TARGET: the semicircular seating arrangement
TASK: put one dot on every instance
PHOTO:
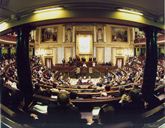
(105, 88)
(111, 88)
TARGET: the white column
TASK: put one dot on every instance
(95, 39)
(74, 52)
(73, 34)
(60, 54)
(63, 30)
(104, 29)
(94, 52)
(107, 55)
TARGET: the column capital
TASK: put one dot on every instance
(150, 29)
(26, 28)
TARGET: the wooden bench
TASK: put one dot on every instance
(78, 100)
(12, 124)
(7, 110)
(8, 116)
(153, 111)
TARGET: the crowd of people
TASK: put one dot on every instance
(54, 83)
(82, 62)
(44, 79)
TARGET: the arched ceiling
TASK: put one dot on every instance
(16, 9)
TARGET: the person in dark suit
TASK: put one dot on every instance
(107, 114)
(64, 112)
(1, 80)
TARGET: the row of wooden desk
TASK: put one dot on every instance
(78, 100)
(68, 68)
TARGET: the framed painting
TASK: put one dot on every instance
(49, 34)
(119, 34)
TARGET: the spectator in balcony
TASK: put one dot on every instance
(107, 114)
(64, 111)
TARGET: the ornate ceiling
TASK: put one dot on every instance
(11, 9)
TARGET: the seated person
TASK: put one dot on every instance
(132, 102)
(79, 82)
(107, 88)
(125, 99)
(61, 79)
(67, 82)
(89, 81)
(84, 80)
(64, 111)
(84, 65)
(137, 103)
(100, 83)
(93, 64)
(122, 90)
(103, 94)
(63, 61)
(107, 114)
(89, 64)
(73, 95)
(70, 62)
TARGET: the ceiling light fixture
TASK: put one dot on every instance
(47, 9)
(3, 25)
(130, 11)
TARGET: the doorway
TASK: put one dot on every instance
(49, 62)
(119, 62)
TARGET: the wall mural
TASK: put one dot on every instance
(49, 34)
(119, 34)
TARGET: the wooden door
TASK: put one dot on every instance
(119, 62)
(48, 62)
